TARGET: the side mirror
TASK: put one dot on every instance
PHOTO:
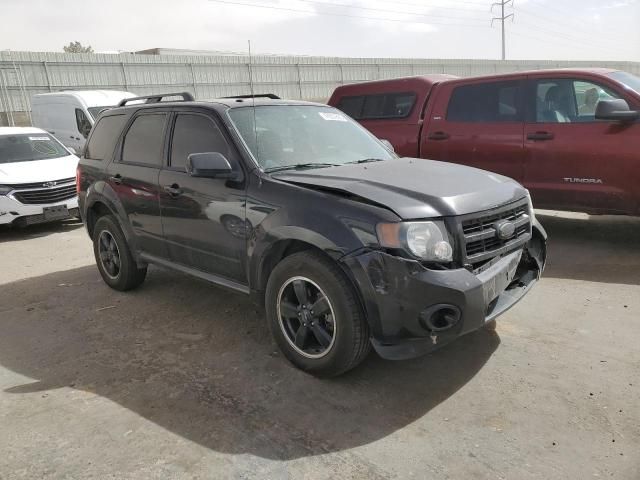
(615, 110)
(387, 145)
(209, 165)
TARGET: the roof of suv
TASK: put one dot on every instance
(219, 103)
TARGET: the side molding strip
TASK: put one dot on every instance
(215, 279)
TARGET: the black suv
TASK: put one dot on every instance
(345, 244)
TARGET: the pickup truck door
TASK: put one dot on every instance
(477, 123)
(575, 162)
(203, 219)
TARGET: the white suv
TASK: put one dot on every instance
(37, 177)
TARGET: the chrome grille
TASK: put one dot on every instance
(44, 196)
(25, 186)
(481, 240)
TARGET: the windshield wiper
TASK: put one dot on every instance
(301, 166)
(367, 160)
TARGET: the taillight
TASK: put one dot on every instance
(78, 179)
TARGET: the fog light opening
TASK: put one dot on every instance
(440, 318)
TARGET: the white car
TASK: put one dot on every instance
(37, 177)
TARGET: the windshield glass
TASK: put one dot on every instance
(289, 135)
(627, 79)
(29, 147)
(95, 111)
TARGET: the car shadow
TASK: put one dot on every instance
(199, 361)
(601, 249)
(12, 233)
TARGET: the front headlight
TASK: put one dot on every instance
(4, 189)
(427, 241)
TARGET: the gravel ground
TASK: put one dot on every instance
(180, 379)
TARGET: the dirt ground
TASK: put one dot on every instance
(180, 379)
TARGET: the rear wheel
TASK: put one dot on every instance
(113, 257)
(314, 315)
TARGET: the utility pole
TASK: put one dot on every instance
(502, 18)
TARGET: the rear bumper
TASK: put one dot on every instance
(413, 310)
(12, 211)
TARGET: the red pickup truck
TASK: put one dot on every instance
(572, 137)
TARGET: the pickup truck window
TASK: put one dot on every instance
(144, 141)
(105, 135)
(569, 100)
(294, 134)
(378, 107)
(195, 134)
(486, 102)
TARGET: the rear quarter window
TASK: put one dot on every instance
(106, 133)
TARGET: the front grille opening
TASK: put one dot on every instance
(481, 237)
(46, 196)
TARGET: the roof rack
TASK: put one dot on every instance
(272, 96)
(186, 97)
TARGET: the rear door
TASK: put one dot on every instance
(393, 116)
(574, 161)
(477, 123)
(203, 219)
(134, 176)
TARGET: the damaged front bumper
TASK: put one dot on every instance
(413, 310)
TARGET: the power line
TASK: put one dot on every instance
(502, 18)
(272, 7)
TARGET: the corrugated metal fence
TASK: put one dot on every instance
(24, 74)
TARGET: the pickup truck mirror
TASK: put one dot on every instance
(387, 145)
(615, 110)
(209, 165)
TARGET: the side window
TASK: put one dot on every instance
(83, 123)
(587, 97)
(486, 102)
(389, 105)
(144, 141)
(104, 137)
(195, 134)
(352, 106)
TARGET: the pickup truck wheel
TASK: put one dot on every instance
(113, 257)
(314, 315)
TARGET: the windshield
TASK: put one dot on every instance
(627, 79)
(309, 135)
(29, 147)
(95, 111)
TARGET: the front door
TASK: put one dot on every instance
(203, 219)
(479, 124)
(574, 161)
(134, 176)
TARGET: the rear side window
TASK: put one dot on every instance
(382, 106)
(144, 140)
(486, 102)
(104, 138)
(352, 106)
(195, 134)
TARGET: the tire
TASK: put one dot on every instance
(338, 314)
(113, 257)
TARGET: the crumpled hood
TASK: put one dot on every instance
(415, 188)
(38, 170)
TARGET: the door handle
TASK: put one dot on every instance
(117, 179)
(540, 136)
(173, 190)
(438, 136)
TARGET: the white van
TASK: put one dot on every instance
(69, 115)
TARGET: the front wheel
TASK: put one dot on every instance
(315, 316)
(113, 257)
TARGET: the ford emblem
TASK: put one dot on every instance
(505, 229)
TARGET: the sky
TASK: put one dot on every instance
(539, 29)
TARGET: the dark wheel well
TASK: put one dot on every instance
(96, 211)
(283, 249)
